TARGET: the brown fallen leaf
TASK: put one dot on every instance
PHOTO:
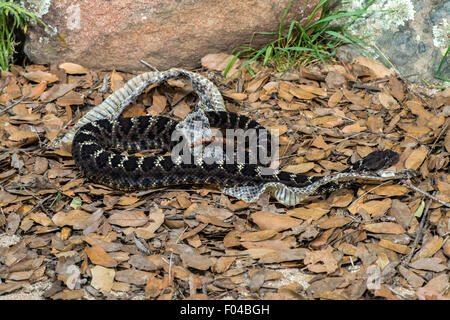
(70, 218)
(400, 248)
(397, 89)
(102, 278)
(430, 264)
(128, 218)
(70, 98)
(306, 213)
(153, 287)
(354, 128)
(238, 96)
(429, 294)
(273, 221)
(335, 80)
(125, 201)
(321, 261)
(274, 244)
(277, 256)
(377, 69)
(258, 235)
(38, 89)
(116, 80)
(401, 212)
(157, 218)
(41, 218)
(299, 168)
(429, 248)
(192, 258)
(158, 105)
(99, 256)
(299, 92)
(376, 208)
(341, 199)
(315, 90)
(413, 279)
(134, 110)
(133, 276)
(39, 76)
(416, 158)
(181, 110)
(384, 227)
(73, 68)
(357, 98)
(218, 61)
(388, 101)
(56, 91)
(333, 222)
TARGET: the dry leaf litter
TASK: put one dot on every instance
(62, 237)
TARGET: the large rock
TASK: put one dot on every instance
(410, 36)
(165, 33)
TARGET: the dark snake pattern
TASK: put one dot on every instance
(96, 148)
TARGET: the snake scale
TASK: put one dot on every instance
(100, 135)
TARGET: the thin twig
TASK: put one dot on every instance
(438, 137)
(426, 194)
(171, 253)
(38, 204)
(419, 232)
(365, 87)
(15, 103)
(231, 255)
(368, 191)
(149, 65)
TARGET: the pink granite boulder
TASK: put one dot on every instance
(165, 33)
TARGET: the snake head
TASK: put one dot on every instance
(376, 160)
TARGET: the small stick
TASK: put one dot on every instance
(366, 87)
(149, 65)
(38, 204)
(368, 191)
(15, 103)
(231, 255)
(438, 137)
(419, 232)
(426, 194)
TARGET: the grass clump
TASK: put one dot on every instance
(295, 44)
(13, 18)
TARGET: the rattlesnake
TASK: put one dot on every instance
(100, 130)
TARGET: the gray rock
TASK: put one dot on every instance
(411, 37)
